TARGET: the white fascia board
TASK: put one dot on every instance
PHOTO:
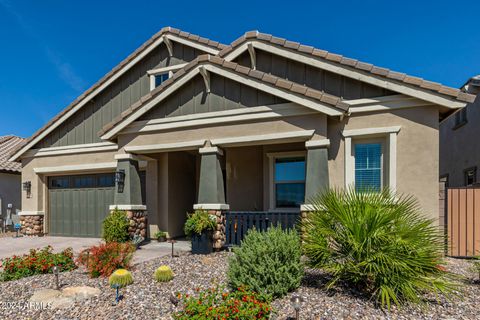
(370, 131)
(312, 144)
(128, 207)
(73, 149)
(192, 44)
(219, 117)
(165, 147)
(73, 168)
(31, 213)
(291, 136)
(385, 104)
(318, 106)
(166, 69)
(420, 93)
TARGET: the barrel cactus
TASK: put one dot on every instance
(163, 274)
(121, 277)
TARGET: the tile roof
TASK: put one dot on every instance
(166, 30)
(349, 63)
(269, 79)
(7, 145)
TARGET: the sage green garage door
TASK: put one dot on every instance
(78, 204)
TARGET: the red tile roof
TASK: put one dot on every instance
(7, 145)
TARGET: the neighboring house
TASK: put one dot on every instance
(10, 179)
(263, 124)
(460, 142)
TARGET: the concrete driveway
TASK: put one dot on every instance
(18, 246)
(10, 246)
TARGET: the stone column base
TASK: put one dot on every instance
(32, 225)
(138, 223)
(219, 236)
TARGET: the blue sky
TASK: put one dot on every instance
(51, 51)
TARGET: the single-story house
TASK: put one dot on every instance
(10, 181)
(262, 124)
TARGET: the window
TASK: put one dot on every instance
(106, 180)
(160, 78)
(59, 182)
(470, 176)
(102, 180)
(289, 182)
(84, 182)
(368, 166)
(460, 118)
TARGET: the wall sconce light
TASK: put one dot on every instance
(27, 187)
(120, 180)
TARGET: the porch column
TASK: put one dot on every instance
(211, 192)
(211, 189)
(317, 169)
(128, 195)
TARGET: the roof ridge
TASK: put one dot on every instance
(350, 63)
(281, 83)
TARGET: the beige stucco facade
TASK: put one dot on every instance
(172, 177)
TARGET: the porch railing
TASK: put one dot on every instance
(238, 223)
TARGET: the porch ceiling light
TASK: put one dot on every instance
(120, 180)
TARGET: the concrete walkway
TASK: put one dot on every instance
(10, 246)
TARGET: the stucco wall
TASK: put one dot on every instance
(10, 192)
(417, 151)
(460, 147)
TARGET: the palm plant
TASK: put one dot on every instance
(378, 241)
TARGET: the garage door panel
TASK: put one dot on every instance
(75, 211)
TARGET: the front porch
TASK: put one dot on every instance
(244, 185)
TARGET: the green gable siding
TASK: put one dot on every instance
(225, 94)
(301, 73)
(84, 125)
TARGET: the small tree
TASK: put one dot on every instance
(115, 227)
(267, 262)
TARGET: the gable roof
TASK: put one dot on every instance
(7, 144)
(352, 64)
(322, 101)
(171, 33)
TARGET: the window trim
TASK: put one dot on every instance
(170, 70)
(390, 152)
(383, 158)
(271, 177)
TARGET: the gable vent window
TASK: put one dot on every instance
(460, 118)
(161, 78)
(470, 176)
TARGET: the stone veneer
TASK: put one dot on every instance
(32, 225)
(219, 236)
(138, 223)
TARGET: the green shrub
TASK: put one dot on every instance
(267, 262)
(120, 277)
(163, 274)
(38, 261)
(216, 304)
(379, 242)
(104, 259)
(200, 221)
(115, 227)
(160, 234)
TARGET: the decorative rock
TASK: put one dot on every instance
(81, 292)
(66, 298)
(32, 225)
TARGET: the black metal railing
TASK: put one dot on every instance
(238, 223)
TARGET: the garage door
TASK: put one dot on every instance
(79, 203)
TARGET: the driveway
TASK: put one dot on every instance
(18, 246)
(10, 246)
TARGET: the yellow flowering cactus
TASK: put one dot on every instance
(121, 277)
(163, 274)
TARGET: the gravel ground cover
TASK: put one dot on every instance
(146, 299)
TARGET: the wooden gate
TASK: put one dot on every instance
(237, 224)
(463, 222)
